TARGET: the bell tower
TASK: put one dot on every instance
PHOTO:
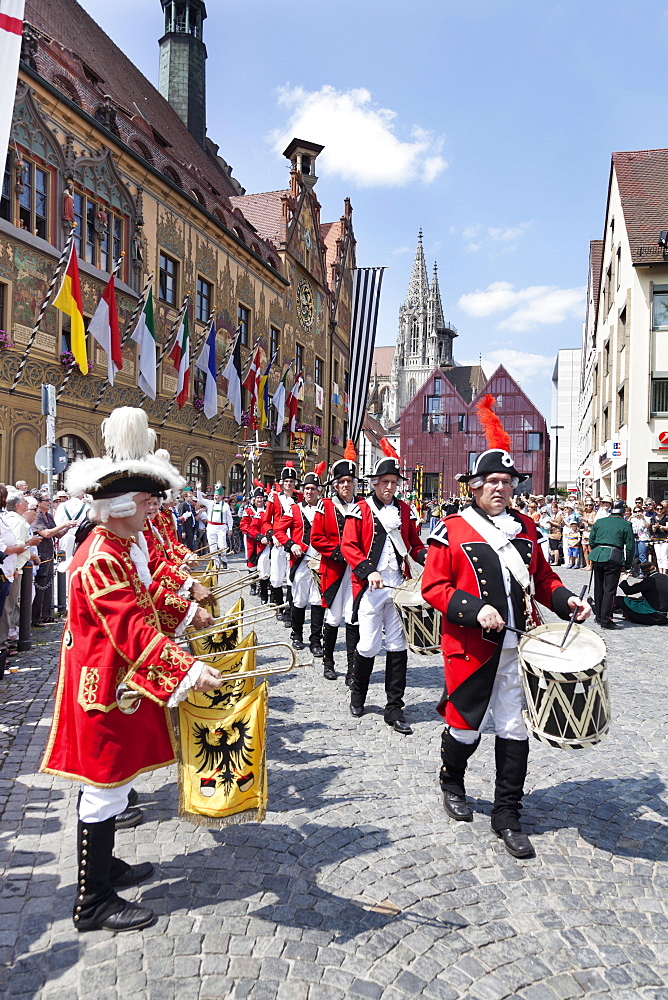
(182, 79)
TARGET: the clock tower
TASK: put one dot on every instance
(182, 79)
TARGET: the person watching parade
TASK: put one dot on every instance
(612, 547)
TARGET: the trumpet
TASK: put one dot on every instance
(249, 618)
(224, 589)
(128, 699)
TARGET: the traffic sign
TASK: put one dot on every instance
(60, 460)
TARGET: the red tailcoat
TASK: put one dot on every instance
(251, 526)
(112, 635)
(161, 560)
(462, 574)
(326, 537)
(164, 522)
(294, 529)
(273, 512)
(364, 539)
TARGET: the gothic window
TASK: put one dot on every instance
(237, 479)
(274, 343)
(415, 338)
(168, 280)
(204, 300)
(411, 388)
(26, 194)
(100, 233)
(199, 382)
(197, 471)
(243, 322)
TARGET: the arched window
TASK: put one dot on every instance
(411, 389)
(415, 336)
(197, 471)
(142, 150)
(197, 194)
(172, 174)
(237, 478)
(75, 448)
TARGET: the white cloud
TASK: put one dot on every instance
(494, 237)
(522, 365)
(359, 138)
(537, 305)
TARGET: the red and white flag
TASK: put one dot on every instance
(103, 327)
(296, 393)
(180, 356)
(11, 29)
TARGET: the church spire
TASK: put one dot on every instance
(437, 321)
(418, 289)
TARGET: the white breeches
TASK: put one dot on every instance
(279, 567)
(304, 590)
(342, 606)
(264, 563)
(377, 614)
(98, 804)
(505, 703)
(216, 536)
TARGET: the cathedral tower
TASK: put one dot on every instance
(182, 79)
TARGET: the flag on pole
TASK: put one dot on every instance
(278, 399)
(11, 30)
(296, 393)
(263, 396)
(68, 300)
(206, 363)
(144, 336)
(180, 357)
(366, 297)
(104, 329)
(233, 375)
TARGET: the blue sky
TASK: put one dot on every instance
(488, 123)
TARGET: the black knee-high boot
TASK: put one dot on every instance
(276, 595)
(362, 670)
(395, 684)
(454, 758)
(329, 636)
(512, 757)
(264, 591)
(315, 638)
(297, 616)
(253, 586)
(97, 905)
(352, 638)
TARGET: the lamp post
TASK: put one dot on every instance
(557, 428)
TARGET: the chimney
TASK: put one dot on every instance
(302, 155)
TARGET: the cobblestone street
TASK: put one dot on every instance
(357, 885)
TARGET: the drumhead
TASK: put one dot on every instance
(409, 594)
(584, 649)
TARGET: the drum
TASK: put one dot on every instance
(420, 622)
(566, 693)
(314, 568)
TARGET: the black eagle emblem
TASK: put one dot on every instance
(224, 751)
(221, 642)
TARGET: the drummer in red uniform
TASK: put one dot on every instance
(113, 636)
(481, 567)
(279, 504)
(258, 549)
(335, 573)
(377, 537)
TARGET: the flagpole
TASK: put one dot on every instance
(70, 371)
(47, 300)
(220, 416)
(190, 361)
(218, 371)
(141, 302)
(175, 325)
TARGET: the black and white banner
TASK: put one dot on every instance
(366, 299)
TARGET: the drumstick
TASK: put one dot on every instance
(575, 611)
(529, 635)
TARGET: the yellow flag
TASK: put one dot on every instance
(68, 300)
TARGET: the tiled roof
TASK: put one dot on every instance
(373, 429)
(642, 176)
(382, 360)
(466, 379)
(329, 234)
(263, 211)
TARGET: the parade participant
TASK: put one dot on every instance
(219, 522)
(650, 607)
(112, 635)
(162, 564)
(335, 573)
(377, 537)
(480, 567)
(293, 531)
(612, 546)
(258, 550)
(279, 504)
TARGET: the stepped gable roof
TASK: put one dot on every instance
(642, 177)
(72, 38)
(264, 211)
(468, 380)
(382, 360)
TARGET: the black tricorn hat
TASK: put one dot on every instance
(310, 479)
(344, 467)
(259, 492)
(494, 460)
(289, 472)
(387, 467)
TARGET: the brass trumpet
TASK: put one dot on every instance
(224, 589)
(249, 618)
(128, 699)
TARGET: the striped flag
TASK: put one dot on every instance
(11, 29)
(366, 298)
(69, 301)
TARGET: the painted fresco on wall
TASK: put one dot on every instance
(32, 274)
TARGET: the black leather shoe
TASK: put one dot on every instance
(132, 816)
(611, 626)
(356, 712)
(123, 875)
(516, 843)
(457, 807)
(130, 918)
(329, 673)
(297, 643)
(316, 649)
(400, 726)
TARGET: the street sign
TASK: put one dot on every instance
(60, 460)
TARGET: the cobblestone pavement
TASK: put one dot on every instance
(357, 885)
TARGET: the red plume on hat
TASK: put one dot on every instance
(350, 454)
(320, 468)
(256, 482)
(496, 436)
(289, 464)
(388, 449)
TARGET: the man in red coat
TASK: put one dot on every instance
(258, 551)
(378, 536)
(335, 573)
(481, 567)
(293, 531)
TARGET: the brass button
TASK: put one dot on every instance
(485, 594)
(76, 917)
(483, 581)
(461, 615)
(467, 657)
(468, 548)
(475, 559)
(464, 601)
